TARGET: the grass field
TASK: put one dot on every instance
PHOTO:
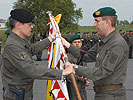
(3, 36)
(81, 29)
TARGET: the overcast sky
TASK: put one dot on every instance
(124, 9)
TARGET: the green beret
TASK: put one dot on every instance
(74, 37)
(67, 32)
(120, 30)
(94, 32)
(21, 15)
(8, 31)
(106, 11)
(127, 31)
(77, 32)
(38, 33)
(85, 33)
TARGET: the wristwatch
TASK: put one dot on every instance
(76, 68)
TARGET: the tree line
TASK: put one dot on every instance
(124, 22)
(70, 14)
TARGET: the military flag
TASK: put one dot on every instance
(56, 59)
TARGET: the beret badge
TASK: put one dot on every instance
(98, 13)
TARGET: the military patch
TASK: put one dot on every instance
(22, 55)
(113, 58)
(98, 13)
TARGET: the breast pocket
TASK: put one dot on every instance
(101, 57)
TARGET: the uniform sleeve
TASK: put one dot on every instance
(111, 61)
(39, 46)
(22, 62)
(90, 56)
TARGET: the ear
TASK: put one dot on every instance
(108, 21)
(17, 24)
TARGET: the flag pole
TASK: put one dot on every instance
(74, 83)
(75, 87)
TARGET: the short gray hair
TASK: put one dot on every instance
(12, 22)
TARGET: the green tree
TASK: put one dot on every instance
(131, 23)
(126, 22)
(118, 22)
(70, 15)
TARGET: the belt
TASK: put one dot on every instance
(25, 87)
(105, 88)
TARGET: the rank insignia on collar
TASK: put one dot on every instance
(22, 55)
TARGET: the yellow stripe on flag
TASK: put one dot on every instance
(49, 96)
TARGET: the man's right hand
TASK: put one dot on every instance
(69, 69)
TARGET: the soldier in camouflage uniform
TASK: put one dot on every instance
(18, 69)
(110, 55)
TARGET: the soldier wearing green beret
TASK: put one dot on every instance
(88, 40)
(130, 44)
(76, 40)
(110, 56)
(93, 38)
(8, 31)
(18, 69)
(120, 31)
(85, 38)
(78, 33)
(126, 36)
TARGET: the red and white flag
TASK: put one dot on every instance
(56, 59)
